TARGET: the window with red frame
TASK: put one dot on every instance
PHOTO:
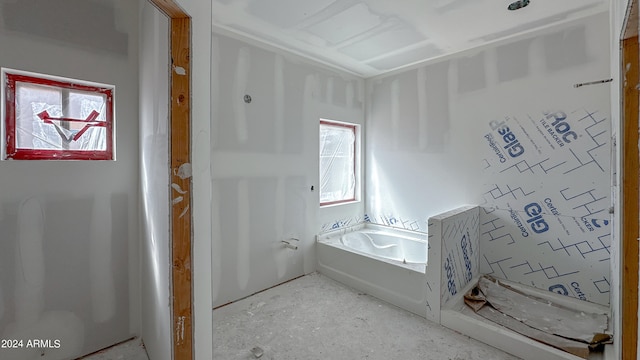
(338, 176)
(51, 118)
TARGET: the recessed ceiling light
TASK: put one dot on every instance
(518, 4)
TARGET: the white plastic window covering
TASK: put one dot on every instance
(337, 163)
(33, 133)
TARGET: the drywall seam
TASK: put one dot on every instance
(395, 111)
(490, 70)
(349, 94)
(243, 263)
(280, 252)
(329, 90)
(30, 265)
(279, 82)
(216, 242)
(243, 66)
(423, 119)
(103, 290)
(215, 91)
(536, 62)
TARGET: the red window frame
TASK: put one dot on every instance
(353, 128)
(12, 152)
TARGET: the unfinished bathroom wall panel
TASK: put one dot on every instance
(520, 139)
(156, 192)
(69, 244)
(410, 135)
(545, 218)
(98, 15)
(266, 110)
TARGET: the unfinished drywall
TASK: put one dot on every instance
(370, 37)
(69, 228)
(155, 187)
(266, 107)
(503, 126)
(617, 15)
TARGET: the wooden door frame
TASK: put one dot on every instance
(630, 196)
(180, 174)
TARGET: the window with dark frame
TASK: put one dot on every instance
(338, 151)
(50, 118)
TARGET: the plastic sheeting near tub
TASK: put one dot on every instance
(575, 332)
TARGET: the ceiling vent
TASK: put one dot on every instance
(518, 4)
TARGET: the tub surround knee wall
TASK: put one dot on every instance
(454, 256)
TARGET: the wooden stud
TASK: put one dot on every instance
(630, 198)
(181, 175)
(180, 153)
(170, 8)
(630, 27)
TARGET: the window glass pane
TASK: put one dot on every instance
(32, 132)
(81, 105)
(337, 163)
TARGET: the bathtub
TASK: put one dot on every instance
(384, 262)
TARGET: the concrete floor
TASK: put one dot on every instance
(315, 317)
(128, 350)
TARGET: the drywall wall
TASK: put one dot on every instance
(154, 177)
(486, 127)
(265, 162)
(69, 249)
(617, 15)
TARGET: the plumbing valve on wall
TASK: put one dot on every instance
(288, 245)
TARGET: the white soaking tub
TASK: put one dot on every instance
(384, 262)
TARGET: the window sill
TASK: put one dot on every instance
(339, 204)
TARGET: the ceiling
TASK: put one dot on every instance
(371, 37)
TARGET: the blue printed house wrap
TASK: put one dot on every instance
(454, 250)
(545, 219)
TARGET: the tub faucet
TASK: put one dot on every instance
(288, 245)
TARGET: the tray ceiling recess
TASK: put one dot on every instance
(371, 37)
